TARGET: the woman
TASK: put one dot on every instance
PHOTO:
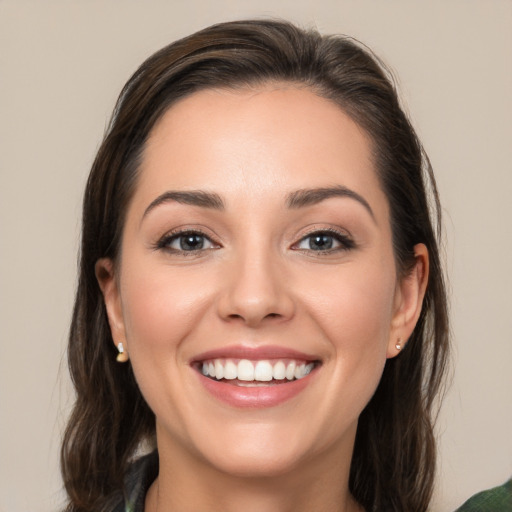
(257, 249)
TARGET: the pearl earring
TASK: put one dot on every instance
(398, 345)
(122, 357)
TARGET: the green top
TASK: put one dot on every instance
(144, 471)
(498, 499)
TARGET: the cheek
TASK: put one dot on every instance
(160, 306)
(354, 310)
(354, 305)
(161, 310)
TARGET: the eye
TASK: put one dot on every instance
(186, 241)
(325, 241)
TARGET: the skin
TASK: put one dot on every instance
(258, 281)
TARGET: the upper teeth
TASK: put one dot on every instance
(262, 371)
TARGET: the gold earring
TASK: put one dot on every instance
(122, 357)
(398, 345)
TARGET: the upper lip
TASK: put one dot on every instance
(254, 353)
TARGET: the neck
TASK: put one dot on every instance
(187, 484)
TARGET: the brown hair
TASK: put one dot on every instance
(394, 456)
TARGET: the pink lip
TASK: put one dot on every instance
(254, 353)
(254, 397)
(257, 396)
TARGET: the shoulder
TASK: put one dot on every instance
(498, 499)
(139, 478)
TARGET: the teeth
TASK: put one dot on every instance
(230, 371)
(290, 371)
(299, 371)
(219, 370)
(245, 370)
(279, 371)
(261, 371)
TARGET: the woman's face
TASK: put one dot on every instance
(257, 248)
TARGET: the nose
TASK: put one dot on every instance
(256, 291)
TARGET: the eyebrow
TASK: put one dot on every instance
(192, 197)
(311, 196)
(297, 199)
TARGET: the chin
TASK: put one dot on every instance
(245, 462)
(261, 450)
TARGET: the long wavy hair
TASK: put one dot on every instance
(394, 456)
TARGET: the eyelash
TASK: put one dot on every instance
(344, 241)
(165, 242)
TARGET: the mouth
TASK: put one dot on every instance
(254, 373)
(255, 377)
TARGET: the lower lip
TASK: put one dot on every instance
(257, 396)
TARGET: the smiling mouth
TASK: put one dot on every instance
(248, 373)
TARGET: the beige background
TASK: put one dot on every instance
(62, 65)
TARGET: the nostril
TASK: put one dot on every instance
(250, 303)
(269, 316)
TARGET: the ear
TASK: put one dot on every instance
(105, 275)
(409, 301)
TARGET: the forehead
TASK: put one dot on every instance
(257, 143)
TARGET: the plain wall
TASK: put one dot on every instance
(62, 65)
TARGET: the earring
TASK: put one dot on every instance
(122, 357)
(398, 345)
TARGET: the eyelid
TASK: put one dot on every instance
(174, 234)
(342, 237)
